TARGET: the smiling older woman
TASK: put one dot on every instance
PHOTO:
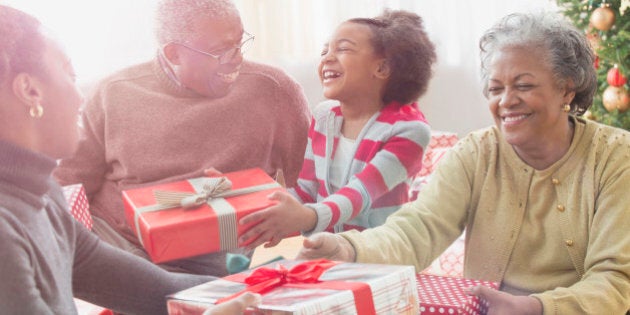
(542, 195)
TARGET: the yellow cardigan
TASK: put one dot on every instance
(561, 234)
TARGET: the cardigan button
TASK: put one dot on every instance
(569, 242)
(560, 208)
(555, 181)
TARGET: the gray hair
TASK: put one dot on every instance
(565, 49)
(175, 18)
(21, 47)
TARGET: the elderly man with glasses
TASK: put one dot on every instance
(198, 105)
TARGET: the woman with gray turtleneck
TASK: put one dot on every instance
(48, 257)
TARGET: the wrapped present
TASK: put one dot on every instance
(445, 295)
(439, 144)
(78, 202)
(310, 287)
(196, 216)
(451, 262)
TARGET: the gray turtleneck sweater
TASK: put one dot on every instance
(47, 257)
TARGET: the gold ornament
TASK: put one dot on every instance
(36, 111)
(616, 98)
(603, 18)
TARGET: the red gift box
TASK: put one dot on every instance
(78, 202)
(169, 231)
(439, 144)
(305, 287)
(445, 295)
(451, 262)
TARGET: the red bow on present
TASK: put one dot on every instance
(265, 279)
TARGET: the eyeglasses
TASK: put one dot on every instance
(228, 55)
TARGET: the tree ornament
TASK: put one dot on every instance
(603, 17)
(610, 47)
(615, 78)
(616, 98)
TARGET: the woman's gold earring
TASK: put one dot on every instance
(566, 108)
(36, 111)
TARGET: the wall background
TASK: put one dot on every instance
(103, 36)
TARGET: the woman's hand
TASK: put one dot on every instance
(273, 224)
(327, 245)
(237, 305)
(505, 303)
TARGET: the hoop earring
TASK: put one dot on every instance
(36, 111)
(566, 108)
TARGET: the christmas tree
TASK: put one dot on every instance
(607, 26)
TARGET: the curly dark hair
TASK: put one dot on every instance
(21, 44)
(400, 37)
(566, 51)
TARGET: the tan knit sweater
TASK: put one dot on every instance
(561, 233)
(139, 129)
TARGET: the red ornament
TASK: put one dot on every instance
(615, 78)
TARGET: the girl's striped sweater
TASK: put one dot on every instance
(387, 156)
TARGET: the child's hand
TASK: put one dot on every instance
(277, 222)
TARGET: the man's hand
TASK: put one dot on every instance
(327, 245)
(505, 303)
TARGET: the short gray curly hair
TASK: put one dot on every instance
(566, 51)
(175, 18)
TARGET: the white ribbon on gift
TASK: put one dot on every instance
(210, 190)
